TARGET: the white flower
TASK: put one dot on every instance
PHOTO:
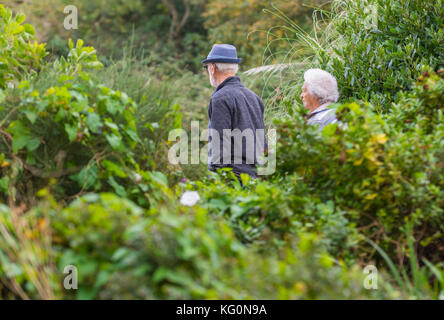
(189, 198)
(137, 177)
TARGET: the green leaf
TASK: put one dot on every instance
(20, 142)
(17, 29)
(114, 140)
(111, 125)
(71, 131)
(33, 144)
(93, 122)
(87, 177)
(79, 43)
(20, 18)
(112, 107)
(29, 29)
(94, 65)
(114, 168)
(117, 187)
(132, 134)
(102, 278)
(159, 177)
(31, 115)
(4, 183)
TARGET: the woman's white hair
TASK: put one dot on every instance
(227, 67)
(321, 85)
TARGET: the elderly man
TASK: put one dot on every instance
(235, 113)
(320, 89)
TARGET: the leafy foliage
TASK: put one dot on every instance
(376, 54)
(79, 132)
(171, 252)
(78, 159)
(237, 22)
(381, 170)
(18, 55)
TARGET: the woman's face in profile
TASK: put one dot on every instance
(308, 100)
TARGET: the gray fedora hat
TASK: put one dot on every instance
(222, 53)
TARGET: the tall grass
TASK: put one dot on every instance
(415, 280)
(27, 269)
(298, 53)
(375, 48)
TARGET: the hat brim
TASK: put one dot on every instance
(223, 60)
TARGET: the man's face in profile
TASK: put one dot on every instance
(211, 68)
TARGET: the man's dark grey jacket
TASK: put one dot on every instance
(233, 106)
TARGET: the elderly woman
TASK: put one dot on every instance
(320, 89)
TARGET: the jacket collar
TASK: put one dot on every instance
(228, 81)
(319, 109)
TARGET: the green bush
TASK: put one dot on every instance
(374, 48)
(420, 109)
(81, 133)
(269, 211)
(65, 125)
(18, 55)
(381, 171)
(179, 252)
(380, 47)
(169, 252)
